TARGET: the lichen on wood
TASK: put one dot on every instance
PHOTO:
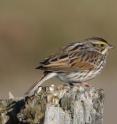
(55, 105)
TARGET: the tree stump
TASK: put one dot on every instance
(55, 105)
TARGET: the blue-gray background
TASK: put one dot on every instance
(33, 29)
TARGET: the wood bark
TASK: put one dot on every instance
(55, 105)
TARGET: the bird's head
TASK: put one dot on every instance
(100, 44)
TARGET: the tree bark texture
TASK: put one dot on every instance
(55, 105)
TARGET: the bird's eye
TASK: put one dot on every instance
(102, 45)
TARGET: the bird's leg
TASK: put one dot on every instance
(85, 84)
(75, 84)
(80, 84)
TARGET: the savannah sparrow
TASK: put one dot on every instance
(75, 63)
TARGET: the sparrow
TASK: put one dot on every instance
(75, 63)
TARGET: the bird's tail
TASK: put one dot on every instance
(35, 86)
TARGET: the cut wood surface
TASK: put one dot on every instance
(55, 105)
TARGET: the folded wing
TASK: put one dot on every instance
(71, 60)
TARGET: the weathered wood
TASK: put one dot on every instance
(55, 105)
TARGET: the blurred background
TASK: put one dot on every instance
(33, 29)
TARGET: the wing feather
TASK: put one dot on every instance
(72, 60)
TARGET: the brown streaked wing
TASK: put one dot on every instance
(59, 63)
(78, 62)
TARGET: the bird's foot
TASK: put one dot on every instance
(80, 84)
(85, 84)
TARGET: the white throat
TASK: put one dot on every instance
(105, 51)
